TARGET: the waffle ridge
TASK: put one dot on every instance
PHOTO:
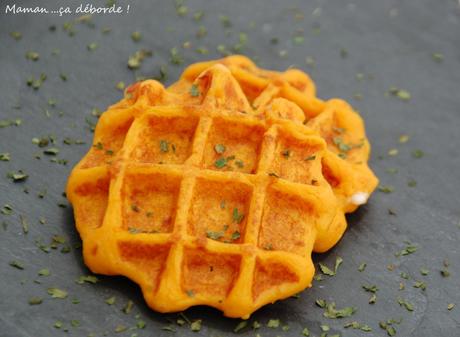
(214, 191)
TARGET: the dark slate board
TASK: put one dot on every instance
(390, 42)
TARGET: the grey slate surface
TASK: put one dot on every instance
(390, 42)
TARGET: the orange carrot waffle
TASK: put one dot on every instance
(216, 190)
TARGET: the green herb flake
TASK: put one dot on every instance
(120, 86)
(5, 156)
(450, 306)
(120, 328)
(393, 152)
(51, 151)
(236, 235)
(391, 331)
(362, 267)
(324, 327)
(239, 163)
(404, 275)
(196, 325)
(225, 21)
(373, 299)
(219, 148)
(215, 235)
(338, 262)
(135, 60)
(403, 139)
(237, 216)
(92, 46)
(326, 270)
(418, 154)
(35, 300)
(169, 328)
(420, 285)
(164, 146)
(358, 326)
(437, 57)
(32, 55)
(312, 157)
(332, 312)
(445, 272)
(370, 288)
(273, 323)
(58, 324)
(16, 264)
(44, 272)
(57, 293)
(136, 36)
(194, 91)
(241, 325)
(16, 35)
(175, 57)
(140, 324)
(402, 94)
(386, 189)
(424, 271)
(306, 332)
(221, 162)
(409, 249)
(24, 224)
(128, 307)
(405, 304)
(111, 300)
(87, 279)
(273, 174)
(14, 122)
(17, 176)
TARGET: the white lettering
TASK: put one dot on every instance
(25, 10)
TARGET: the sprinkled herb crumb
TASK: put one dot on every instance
(409, 249)
(87, 279)
(405, 304)
(418, 154)
(219, 148)
(44, 272)
(120, 328)
(92, 46)
(237, 216)
(111, 300)
(136, 36)
(128, 307)
(57, 293)
(5, 156)
(196, 325)
(273, 323)
(17, 176)
(241, 325)
(194, 91)
(16, 264)
(437, 57)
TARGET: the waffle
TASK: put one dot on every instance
(216, 190)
